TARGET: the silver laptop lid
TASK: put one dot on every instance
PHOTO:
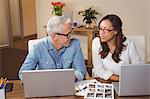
(53, 82)
(134, 80)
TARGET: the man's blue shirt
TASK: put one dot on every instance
(45, 56)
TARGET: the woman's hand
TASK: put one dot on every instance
(114, 77)
(102, 80)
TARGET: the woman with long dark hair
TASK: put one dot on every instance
(111, 49)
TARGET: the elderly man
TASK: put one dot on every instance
(57, 50)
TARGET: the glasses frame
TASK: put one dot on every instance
(66, 35)
(104, 30)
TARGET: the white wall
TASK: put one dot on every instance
(15, 17)
(148, 33)
(43, 13)
(28, 17)
(3, 24)
(133, 14)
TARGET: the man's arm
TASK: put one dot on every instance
(79, 64)
(30, 63)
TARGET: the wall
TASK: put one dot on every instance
(12, 12)
(3, 23)
(15, 18)
(28, 17)
(148, 33)
(43, 13)
(133, 14)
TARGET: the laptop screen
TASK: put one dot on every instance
(53, 82)
(133, 80)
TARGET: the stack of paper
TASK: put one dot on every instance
(81, 87)
(92, 89)
(99, 91)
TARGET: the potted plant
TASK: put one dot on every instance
(89, 16)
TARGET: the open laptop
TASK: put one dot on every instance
(134, 80)
(53, 82)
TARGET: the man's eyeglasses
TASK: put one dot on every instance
(67, 35)
(104, 30)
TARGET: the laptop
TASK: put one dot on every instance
(53, 82)
(134, 80)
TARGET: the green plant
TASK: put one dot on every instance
(89, 15)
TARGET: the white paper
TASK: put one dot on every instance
(99, 91)
(81, 86)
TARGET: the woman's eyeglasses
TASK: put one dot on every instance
(104, 30)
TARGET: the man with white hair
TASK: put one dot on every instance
(57, 50)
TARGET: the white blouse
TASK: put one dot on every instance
(104, 68)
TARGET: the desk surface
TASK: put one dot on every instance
(18, 93)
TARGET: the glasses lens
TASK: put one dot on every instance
(104, 30)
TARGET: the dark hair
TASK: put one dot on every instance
(117, 25)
